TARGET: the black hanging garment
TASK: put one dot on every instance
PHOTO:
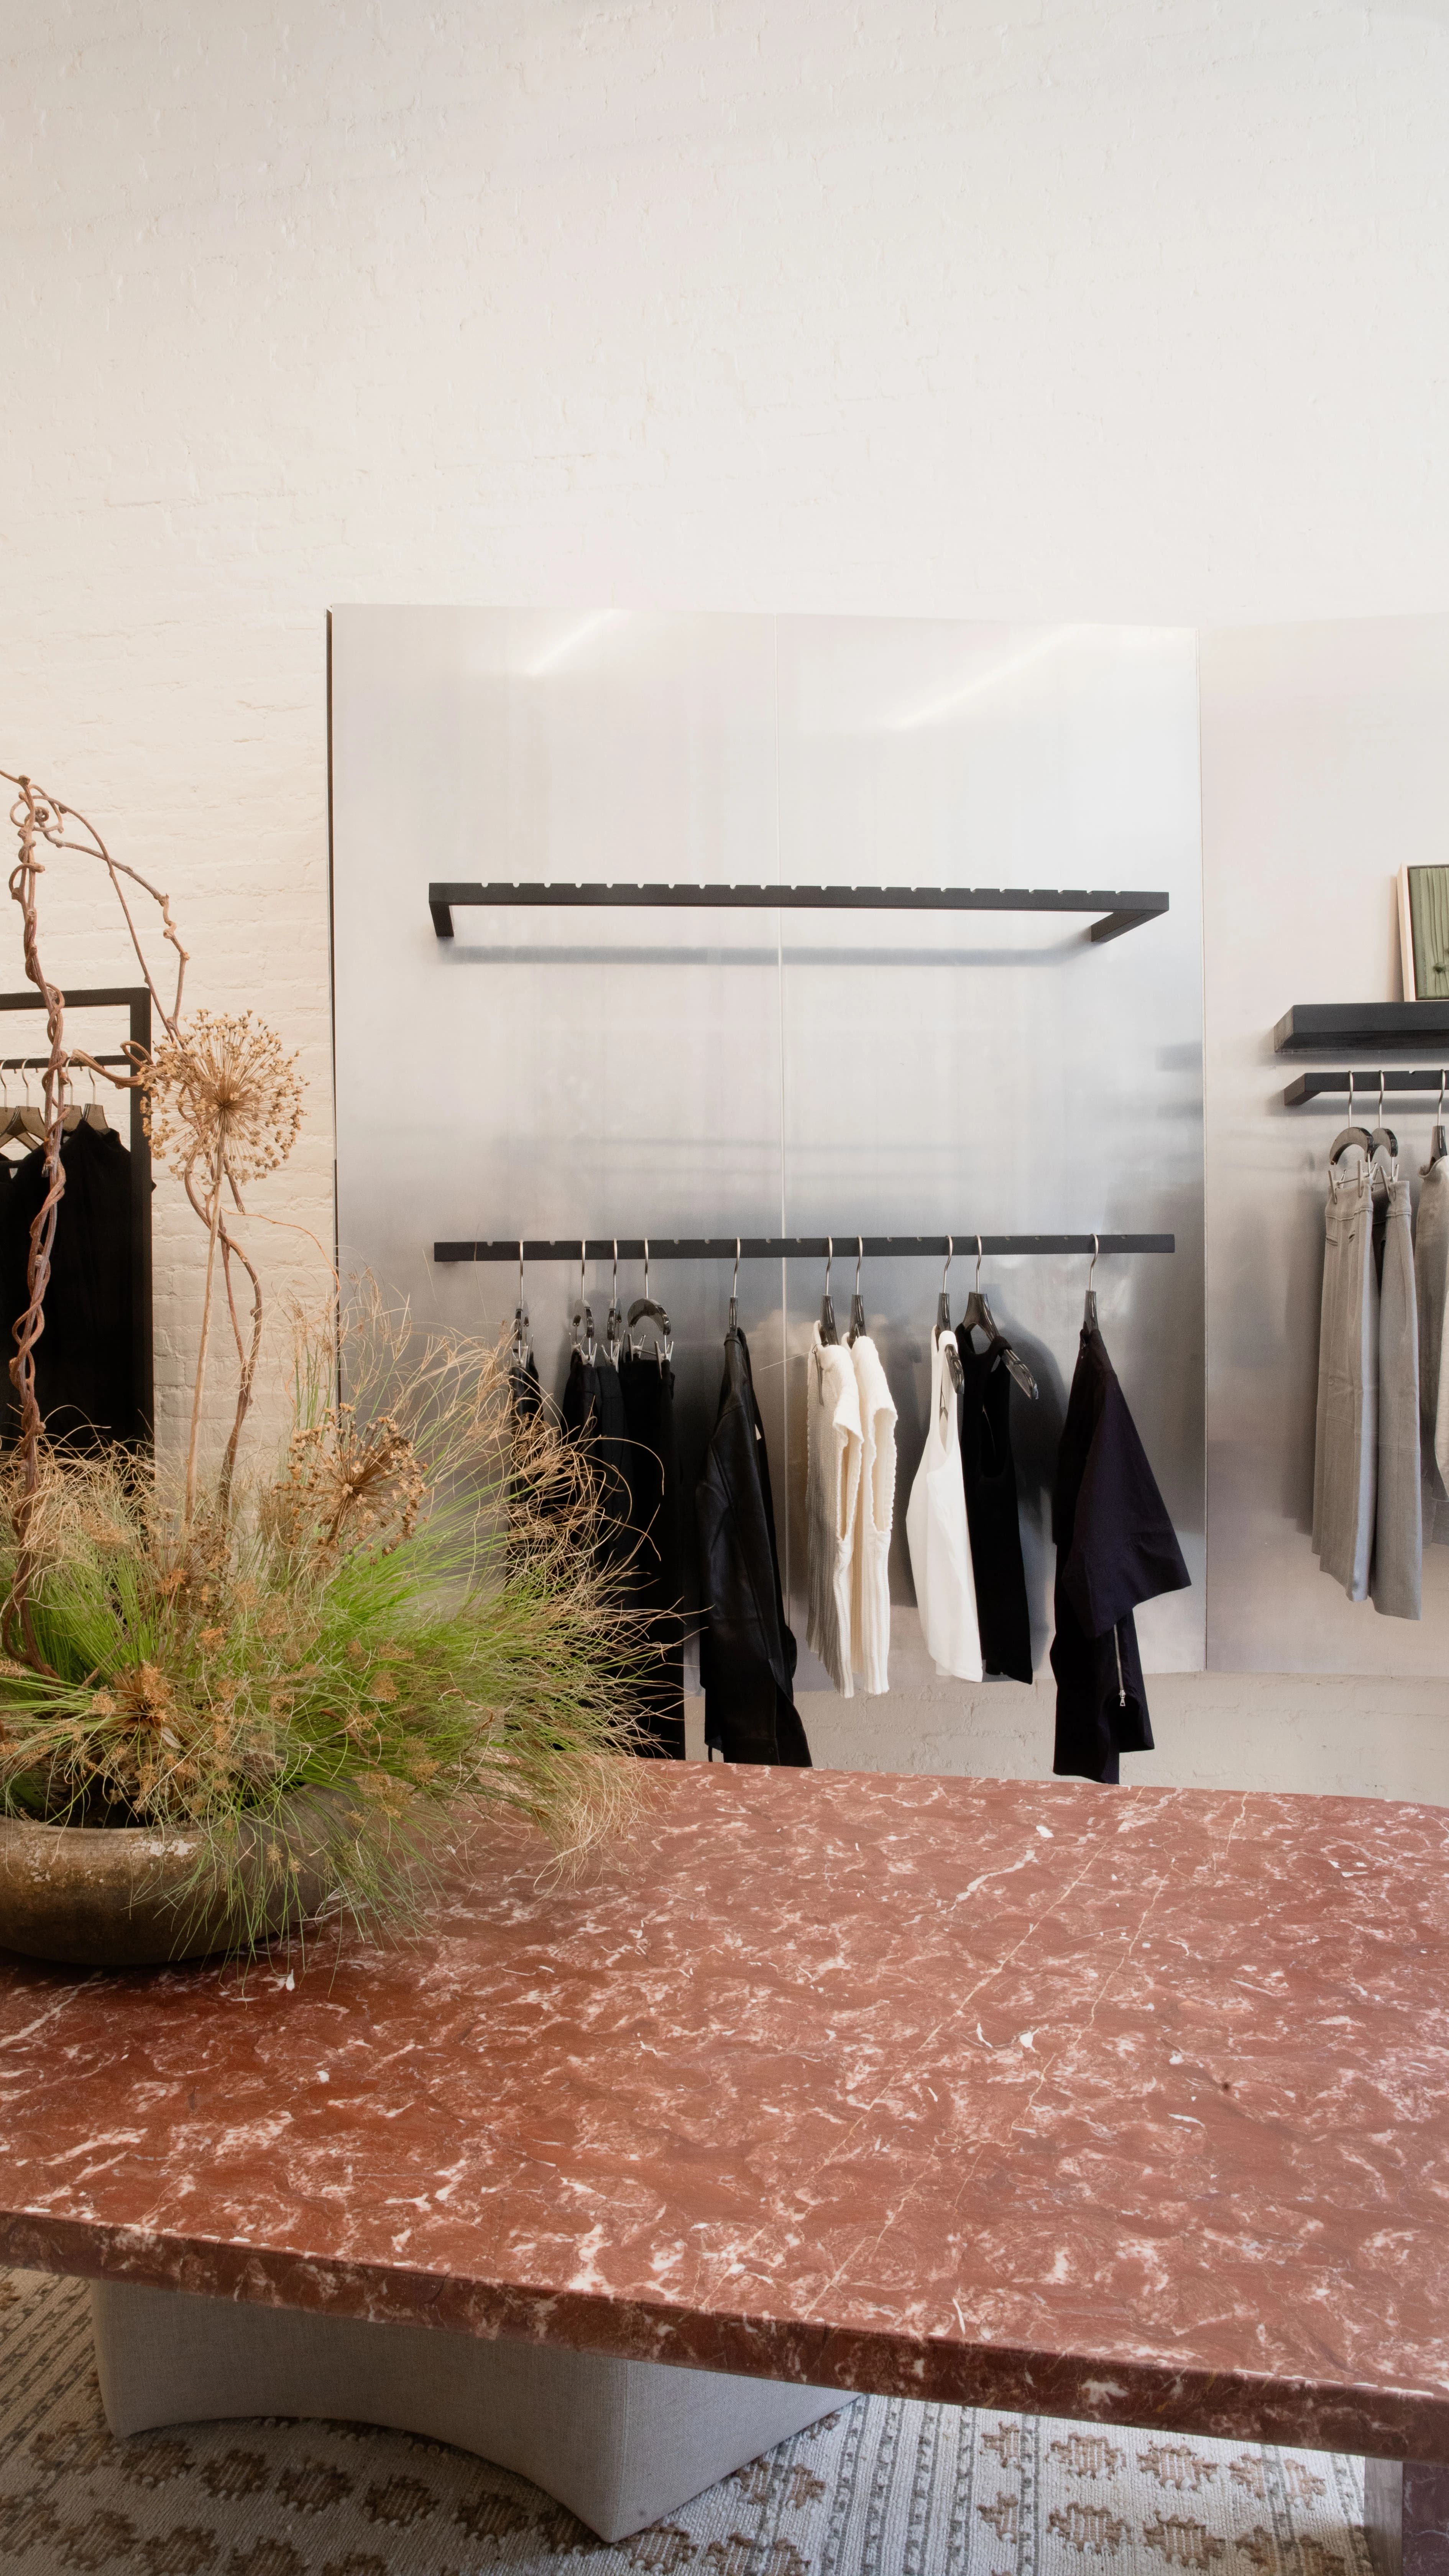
(523, 1387)
(989, 1470)
(1115, 1548)
(593, 1416)
(656, 1569)
(747, 1653)
(85, 1361)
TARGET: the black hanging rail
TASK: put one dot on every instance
(794, 1247)
(1318, 1086)
(1119, 911)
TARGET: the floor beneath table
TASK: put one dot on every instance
(885, 2488)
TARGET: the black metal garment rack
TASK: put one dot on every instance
(793, 1247)
(1119, 911)
(135, 1000)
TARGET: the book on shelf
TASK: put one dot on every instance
(1424, 933)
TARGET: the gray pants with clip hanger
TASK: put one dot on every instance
(1366, 1507)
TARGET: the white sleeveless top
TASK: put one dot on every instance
(870, 1597)
(940, 1541)
(832, 1485)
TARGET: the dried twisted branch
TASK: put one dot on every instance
(17, 1629)
(219, 1099)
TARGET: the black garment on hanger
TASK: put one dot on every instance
(85, 1377)
(524, 1387)
(1115, 1548)
(989, 1471)
(747, 1653)
(656, 1569)
(593, 1416)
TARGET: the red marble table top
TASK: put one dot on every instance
(1116, 2103)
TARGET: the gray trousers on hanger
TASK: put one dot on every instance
(1398, 1526)
(1431, 1282)
(1345, 1459)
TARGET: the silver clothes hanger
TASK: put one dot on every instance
(1383, 1140)
(1439, 1142)
(1089, 1309)
(614, 1321)
(583, 1320)
(857, 1323)
(520, 1349)
(1349, 1135)
(978, 1314)
(645, 1309)
(828, 1332)
(734, 1319)
(950, 1355)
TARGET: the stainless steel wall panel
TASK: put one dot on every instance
(551, 1072)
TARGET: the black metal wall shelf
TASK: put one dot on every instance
(1119, 911)
(795, 1247)
(1361, 1028)
(1321, 1086)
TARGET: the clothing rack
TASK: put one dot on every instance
(135, 1000)
(1317, 1086)
(796, 1247)
(1120, 911)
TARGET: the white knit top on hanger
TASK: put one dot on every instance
(940, 1541)
(870, 1595)
(832, 1484)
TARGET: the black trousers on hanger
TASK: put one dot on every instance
(747, 1650)
(593, 1416)
(656, 1570)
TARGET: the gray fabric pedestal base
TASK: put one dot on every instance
(619, 2442)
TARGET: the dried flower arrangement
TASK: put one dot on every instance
(408, 1612)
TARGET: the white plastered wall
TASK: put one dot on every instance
(1047, 310)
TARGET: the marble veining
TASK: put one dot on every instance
(1116, 2103)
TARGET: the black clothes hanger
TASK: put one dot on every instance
(1089, 1309)
(645, 1309)
(978, 1315)
(1349, 1135)
(857, 1311)
(828, 1332)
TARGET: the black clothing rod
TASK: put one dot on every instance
(798, 1247)
(1121, 911)
(38, 1063)
(1313, 1086)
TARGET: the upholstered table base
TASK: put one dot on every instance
(619, 2442)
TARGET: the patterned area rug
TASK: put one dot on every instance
(884, 2488)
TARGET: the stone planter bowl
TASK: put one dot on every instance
(118, 1896)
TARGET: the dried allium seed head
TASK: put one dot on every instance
(222, 1087)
